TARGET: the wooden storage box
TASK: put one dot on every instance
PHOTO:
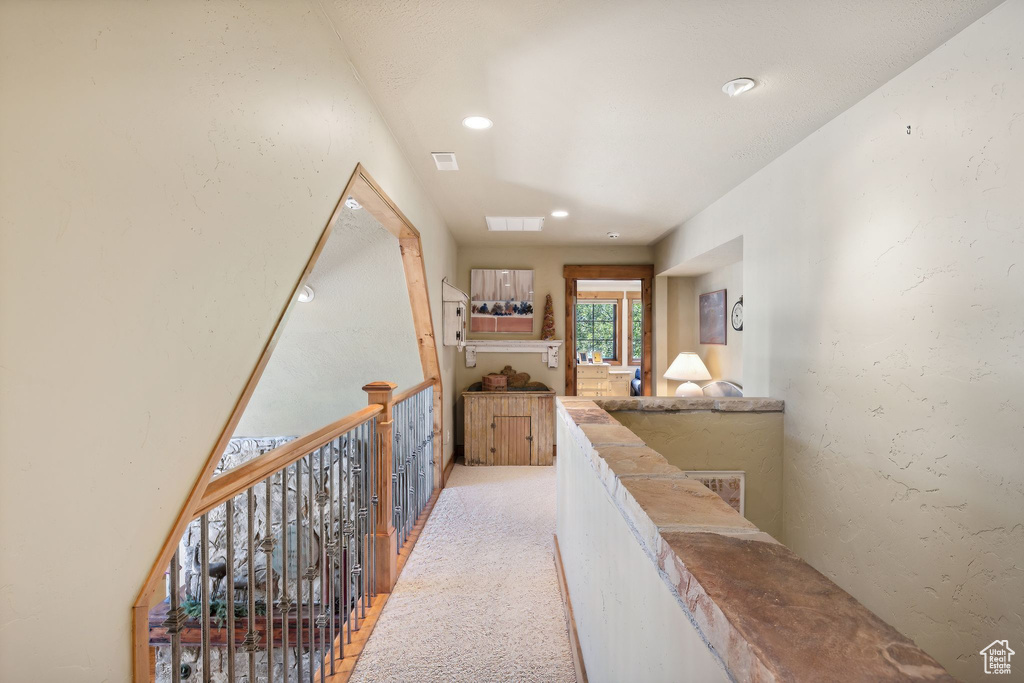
(509, 428)
(495, 383)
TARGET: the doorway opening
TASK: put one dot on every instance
(608, 329)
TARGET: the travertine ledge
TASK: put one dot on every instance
(672, 404)
(767, 614)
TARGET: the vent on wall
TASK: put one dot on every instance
(445, 161)
(514, 224)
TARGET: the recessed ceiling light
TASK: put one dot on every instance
(559, 213)
(477, 122)
(306, 294)
(738, 86)
(613, 235)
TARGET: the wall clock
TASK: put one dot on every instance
(737, 315)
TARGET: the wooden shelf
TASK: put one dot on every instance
(548, 348)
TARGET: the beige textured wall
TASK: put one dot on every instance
(705, 440)
(883, 275)
(682, 322)
(723, 362)
(681, 316)
(547, 264)
(165, 170)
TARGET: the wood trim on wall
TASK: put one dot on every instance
(644, 273)
(570, 336)
(630, 298)
(374, 200)
(570, 617)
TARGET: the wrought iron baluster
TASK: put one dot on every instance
(347, 538)
(311, 568)
(396, 458)
(365, 514)
(323, 618)
(298, 566)
(360, 536)
(175, 620)
(430, 415)
(267, 546)
(252, 638)
(371, 444)
(418, 481)
(332, 550)
(229, 589)
(284, 602)
(204, 595)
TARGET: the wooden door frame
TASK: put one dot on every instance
(644, 273)
(365, 190)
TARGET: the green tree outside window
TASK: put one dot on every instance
(637, 322)
(595, 329)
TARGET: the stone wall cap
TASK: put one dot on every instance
(768, 614)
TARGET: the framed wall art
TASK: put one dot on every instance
(712, 317)
(501, 300)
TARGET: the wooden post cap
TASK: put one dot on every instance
(380, 386)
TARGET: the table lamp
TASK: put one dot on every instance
(688, 367)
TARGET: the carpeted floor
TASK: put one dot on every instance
(478, 599)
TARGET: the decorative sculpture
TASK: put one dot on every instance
(547, 331)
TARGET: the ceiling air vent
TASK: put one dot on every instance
(445, 161)
(514, 224)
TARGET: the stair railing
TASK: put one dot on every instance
(295, 545)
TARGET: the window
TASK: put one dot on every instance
(596, 323)
(636, 331)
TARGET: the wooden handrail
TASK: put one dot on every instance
(239, 479)
(409, 393)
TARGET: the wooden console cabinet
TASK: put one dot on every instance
(509, 428)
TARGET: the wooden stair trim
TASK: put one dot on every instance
(570, 618)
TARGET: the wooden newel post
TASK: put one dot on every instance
(385, 538)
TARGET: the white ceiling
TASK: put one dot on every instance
(614, 110)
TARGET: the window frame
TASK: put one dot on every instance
(588, 298)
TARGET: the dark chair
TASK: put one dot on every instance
(634, 385)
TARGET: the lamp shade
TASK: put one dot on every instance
(687, 367)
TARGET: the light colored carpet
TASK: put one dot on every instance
(478, 599)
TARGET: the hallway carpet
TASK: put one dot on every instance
(478, 599)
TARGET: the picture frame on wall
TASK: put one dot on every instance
(712, 317)
(501, 300)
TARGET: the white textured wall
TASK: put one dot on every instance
(630, 625)
(165, 171)
(883, 278)
(331, 346)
